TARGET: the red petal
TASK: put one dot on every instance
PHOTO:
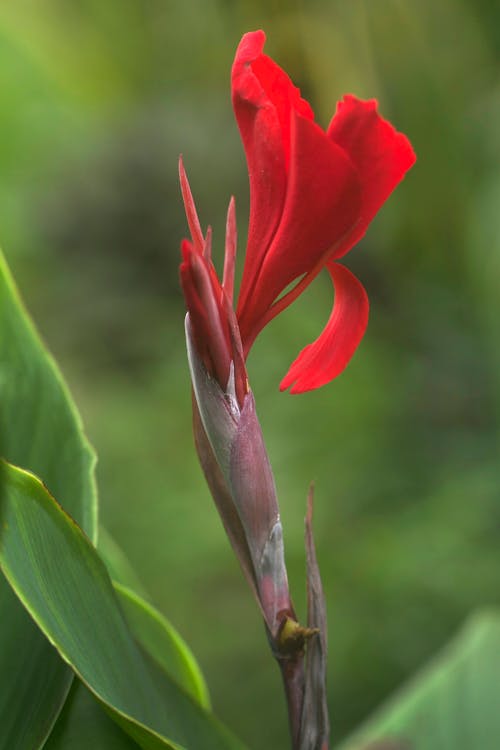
(263, 99)
(381, 155)
(322, 204)
(326, 357)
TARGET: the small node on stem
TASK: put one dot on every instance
(292, 637)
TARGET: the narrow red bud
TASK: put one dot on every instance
(190, 209)
(230, 251)
(207, 245)
(199, 284)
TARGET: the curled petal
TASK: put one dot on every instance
(326, 357)
(263, 100)
(381, 155)
(322, 205)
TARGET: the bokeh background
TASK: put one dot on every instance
(97, 100)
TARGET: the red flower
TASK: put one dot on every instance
(312, 196)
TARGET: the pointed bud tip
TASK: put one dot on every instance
(190, 208)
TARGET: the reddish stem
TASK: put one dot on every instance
(292, 672)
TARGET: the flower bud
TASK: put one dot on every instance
(245, 488)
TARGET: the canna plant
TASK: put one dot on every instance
(312, 197)
(85, 660)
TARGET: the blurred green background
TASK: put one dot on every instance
(97, 100)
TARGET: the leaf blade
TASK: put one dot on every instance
(451, 704)
(41, 430)
(83, 724)
(163, 644)
(57, 574)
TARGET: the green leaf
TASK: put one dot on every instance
(452, 704)
(117, 563)
(150, 628)
(163, 644)
(84, 725)
(57, 574)
(40, 428)
(41, 431)
(33, 680)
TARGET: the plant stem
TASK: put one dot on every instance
(292, 672)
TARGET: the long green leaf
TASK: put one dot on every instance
(452, 704)
(149, 627)
(117, 563)
(163, 644)
(84, 725)
(57, 574)
(41, 431)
